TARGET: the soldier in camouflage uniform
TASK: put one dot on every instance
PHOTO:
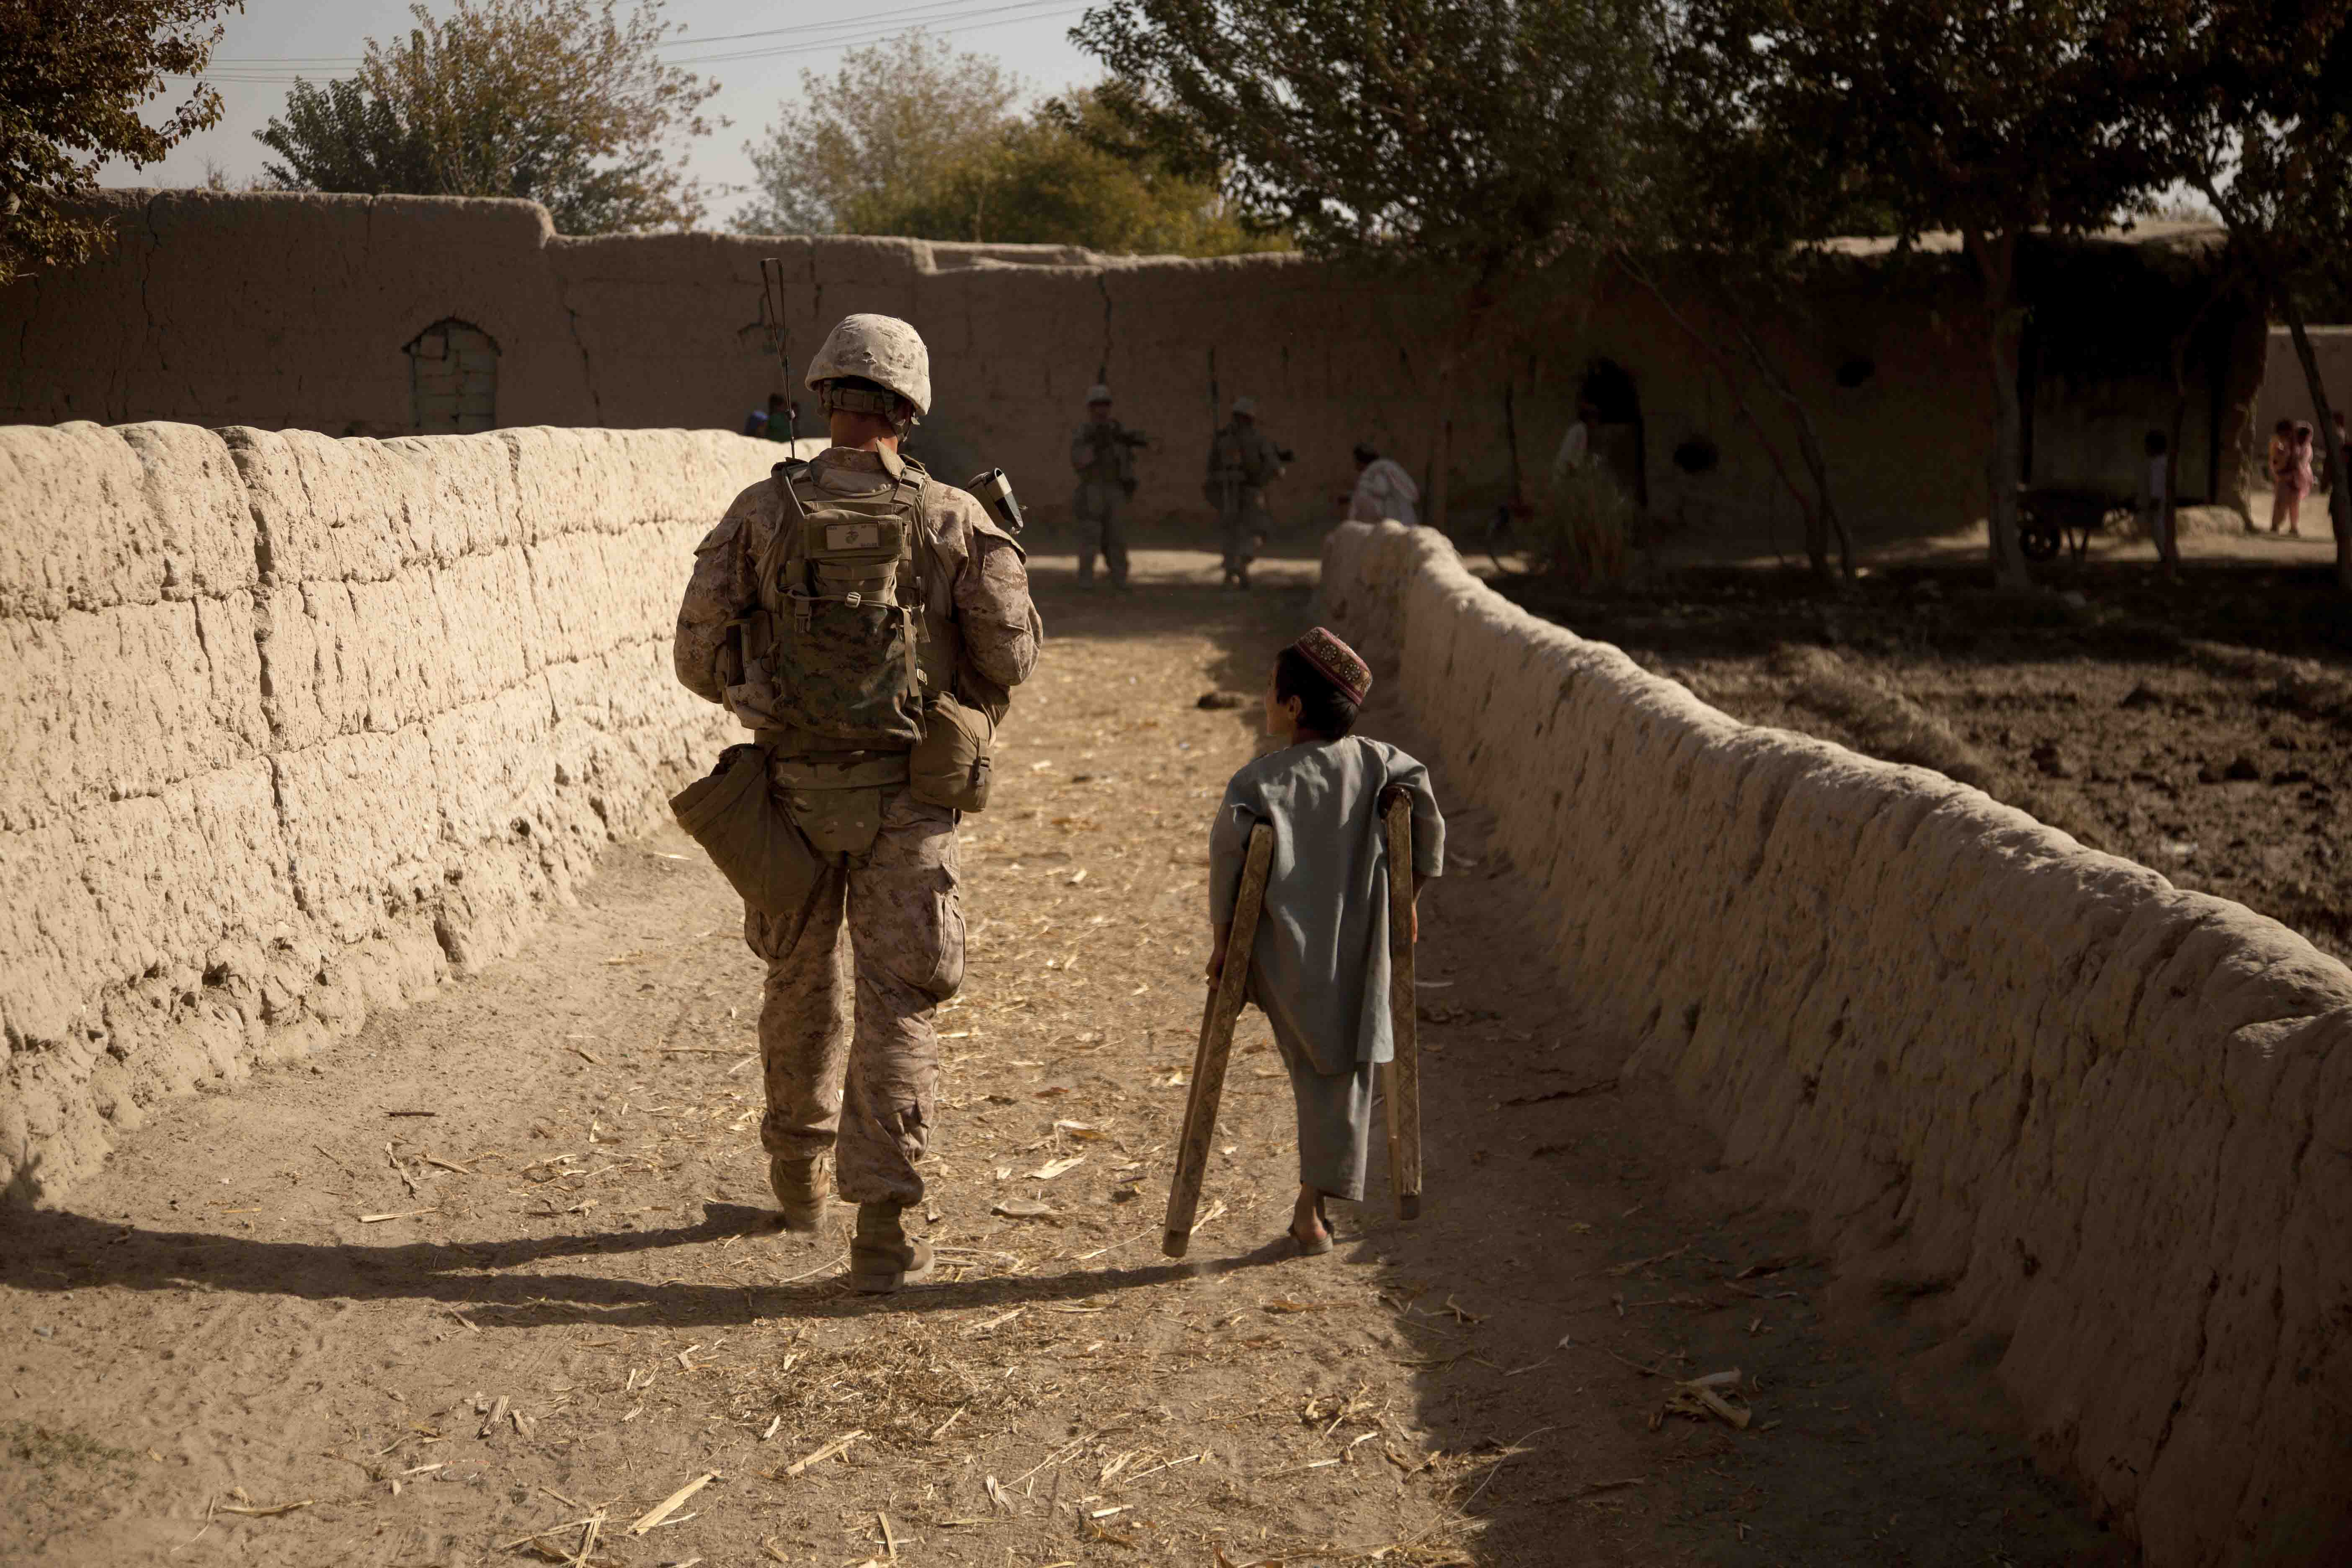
(1103, 452)
(854, 977)
(1242, 463)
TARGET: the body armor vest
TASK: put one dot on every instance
(855, 630)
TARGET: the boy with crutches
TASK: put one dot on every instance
(1321, 955)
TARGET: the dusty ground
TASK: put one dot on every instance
(2204, 729)
(223, 1350)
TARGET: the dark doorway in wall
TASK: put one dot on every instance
(453, 379)
(1617, 436)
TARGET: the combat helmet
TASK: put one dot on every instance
(883, 349)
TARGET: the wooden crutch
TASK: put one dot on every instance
(1402, 1072)
(1225, 1006)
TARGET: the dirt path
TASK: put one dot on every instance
(578, 1308)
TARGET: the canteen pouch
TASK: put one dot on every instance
(948, 765)
(748, 833)
(840, 823)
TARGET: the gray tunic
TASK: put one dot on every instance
(1320, 967)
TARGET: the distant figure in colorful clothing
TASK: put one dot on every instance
(775, 422)
(2289, 475)
(1319, 965)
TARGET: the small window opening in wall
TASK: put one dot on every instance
(1697, 454)
(453, 379)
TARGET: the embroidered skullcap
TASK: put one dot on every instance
(1340, 663)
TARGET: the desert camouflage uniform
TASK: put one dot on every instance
(845, 1030)
(1242, 463)
(1106, 467)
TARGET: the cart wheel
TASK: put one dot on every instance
(2038, 540)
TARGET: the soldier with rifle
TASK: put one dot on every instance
(1103, 452)
(1242, 463)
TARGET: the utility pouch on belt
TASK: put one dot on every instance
(837, 805)
(949, 764)
(840, 823)
(747, 833)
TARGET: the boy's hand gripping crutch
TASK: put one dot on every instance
(1225, 1006)
(1403, 1087)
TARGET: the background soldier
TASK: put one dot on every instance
(1103, 452)
(1242, 463)
(780, 621)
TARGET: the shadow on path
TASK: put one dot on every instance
(463, 1277)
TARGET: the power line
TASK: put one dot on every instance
(1037, 11)
(960, 13)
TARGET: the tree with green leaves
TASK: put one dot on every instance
(2260, 116)
(1992, 119)
(73, 76)
(1060, 175)
(876, 137)
(1733, 251)
(912, 138)
(564, 102)
(1495, 138)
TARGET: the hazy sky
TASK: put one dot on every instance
(274, 41)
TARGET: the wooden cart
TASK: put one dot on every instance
(2050, 517)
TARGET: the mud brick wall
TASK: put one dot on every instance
(282, 308)
(298, 727)
(2097, 1131)
(2287, 395)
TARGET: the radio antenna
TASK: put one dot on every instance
(771, 291)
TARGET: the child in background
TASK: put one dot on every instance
(2280, 463)
(2289, 475)
(2303, 454)
(2156, 497)
(1319, 965)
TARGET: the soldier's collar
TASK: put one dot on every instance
(857, 460)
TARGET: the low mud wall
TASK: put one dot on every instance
(298, 727)
(2091, 1130)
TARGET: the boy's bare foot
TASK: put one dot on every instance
(1311, 1228)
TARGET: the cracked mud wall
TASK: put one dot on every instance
(283, 309)
(301, 727)
(2066, 1120)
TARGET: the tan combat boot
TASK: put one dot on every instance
(881, 1257)
(799, 1189)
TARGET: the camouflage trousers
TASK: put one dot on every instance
(1099, 503)
(845, 1035)
(1244, 520)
